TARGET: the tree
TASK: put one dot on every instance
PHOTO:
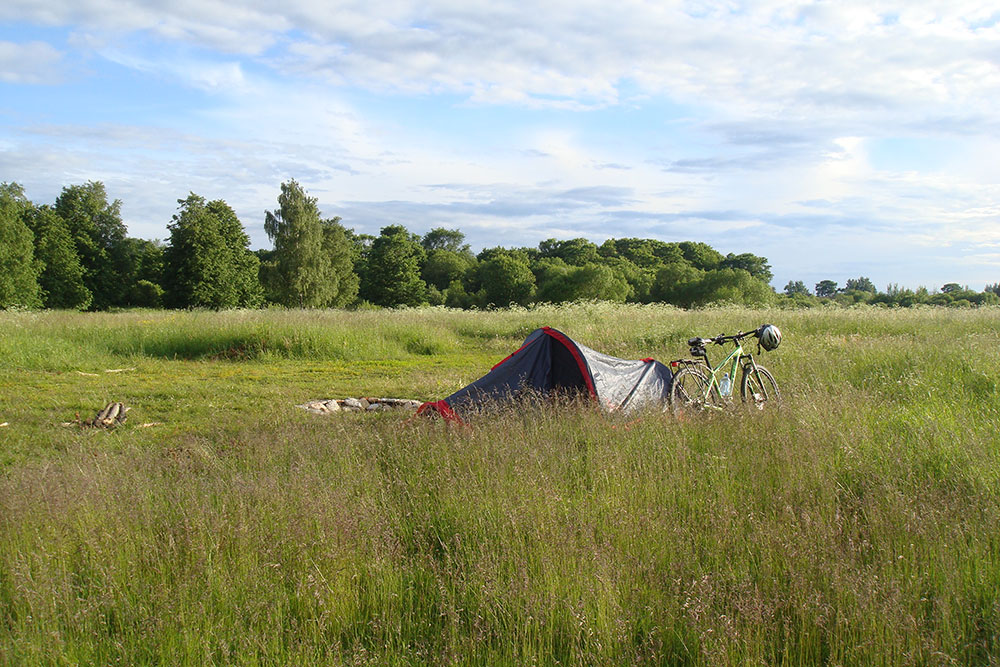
(526, 255)
(18, 268)
(62, 277)
(599, 281)
(99, 235)
(897, 296)
(948, 288)
(989, 299)
(550, 278)
(339, 251)
(676, 283)
(640, 280)
(731, 286)
(245, 267)
(575, 252)
(754, 265)
(644, 253)
(505, 279)
(442, 267)
(145, 258)
(307, 268)
(456, 296)
(392, 271)
(207, 262)
(826, 289)
(796, 287)
(590, 282)
(440, 238)
(861, 284)
(700, 255)
(146, 294)
(145, 271)
(848, 297)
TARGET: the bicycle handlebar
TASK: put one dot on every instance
(722, 338)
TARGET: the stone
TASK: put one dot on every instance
(400, 403)
(364, 404)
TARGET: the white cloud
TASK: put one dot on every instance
(781, 103)
(800, 60)
(830, 58)
(232, 27)
(31, 63)
(196, 73)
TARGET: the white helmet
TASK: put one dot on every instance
(769, 336)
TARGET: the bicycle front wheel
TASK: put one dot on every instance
(758, 387)
(691, 392)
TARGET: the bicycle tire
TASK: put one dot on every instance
(688, 395)
(761, 390)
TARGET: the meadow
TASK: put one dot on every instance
(856, 525)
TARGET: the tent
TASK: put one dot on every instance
(549, 361)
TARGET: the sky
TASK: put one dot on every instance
(839, 139)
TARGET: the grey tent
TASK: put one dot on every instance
(550, 361)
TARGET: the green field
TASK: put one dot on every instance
(857, 525)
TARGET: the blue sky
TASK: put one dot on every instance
(838, 139)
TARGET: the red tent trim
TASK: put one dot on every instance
(442, 408)
(507, 358)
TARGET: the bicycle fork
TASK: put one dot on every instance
(756, 385)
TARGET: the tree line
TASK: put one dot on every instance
(76, 254)
(862, 290)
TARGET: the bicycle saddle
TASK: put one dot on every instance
(699, 342)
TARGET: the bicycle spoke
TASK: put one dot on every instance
(692, 392)
(759, 387)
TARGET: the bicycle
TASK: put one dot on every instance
(698, 387)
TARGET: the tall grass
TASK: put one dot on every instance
(855, 526)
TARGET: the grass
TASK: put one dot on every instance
(857, 526)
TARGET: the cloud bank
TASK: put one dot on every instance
(838, 139)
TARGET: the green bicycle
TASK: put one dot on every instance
(697, 386)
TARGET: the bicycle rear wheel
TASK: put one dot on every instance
(758, 387)
(690, 393)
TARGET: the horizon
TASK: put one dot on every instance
(838, 142)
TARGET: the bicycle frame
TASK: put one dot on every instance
(733, 360)
(732, 363)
